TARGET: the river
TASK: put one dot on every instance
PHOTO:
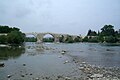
(50, 61)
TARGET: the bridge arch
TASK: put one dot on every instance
(48, 37)
(41, 36)
(31, 36)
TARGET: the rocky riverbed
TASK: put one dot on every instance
(92, 72)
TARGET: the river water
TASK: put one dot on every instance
(48, 59)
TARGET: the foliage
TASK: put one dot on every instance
(93, 39)
(91, 33)
(3, 39)
(90, 39)
(107, 34)
(15, 37)
(85, 39)
(108, 30)
(110, 39)
(48, 39)
(69, 39)
(30, 39)
(7, 29)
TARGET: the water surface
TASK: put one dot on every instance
(46, 59)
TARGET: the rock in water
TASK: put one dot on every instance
(97, 76)
(2, 64)
(67, 78)
(24, 64)
(66, 62)
(8, 76)
(63, 52)
(36, 78)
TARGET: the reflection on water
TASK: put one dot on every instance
(13, 52)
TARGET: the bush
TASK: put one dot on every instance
(15, 37)
(85, 39)
(69, 39)
(110, 39)
(3, 39)
(94, 39)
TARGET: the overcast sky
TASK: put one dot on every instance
(60, 16)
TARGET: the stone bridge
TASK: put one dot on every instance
(56, 36)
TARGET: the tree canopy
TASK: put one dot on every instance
(108, 30)
(7, 29)
(107, 34)
(14, 35)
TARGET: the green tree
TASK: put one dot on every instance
(91, 33)
(15, 29)
(4, 29)
(93, 39)
(85, 39)
(108, 34)
(15, 37)
(108, 30)
(3, 39)
(69, 39)
(110, 39)
(7, 29)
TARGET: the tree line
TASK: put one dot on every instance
(107, 34)
(13, 35)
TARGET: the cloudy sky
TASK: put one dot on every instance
(60, 16)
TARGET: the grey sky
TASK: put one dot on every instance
(60, 16)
